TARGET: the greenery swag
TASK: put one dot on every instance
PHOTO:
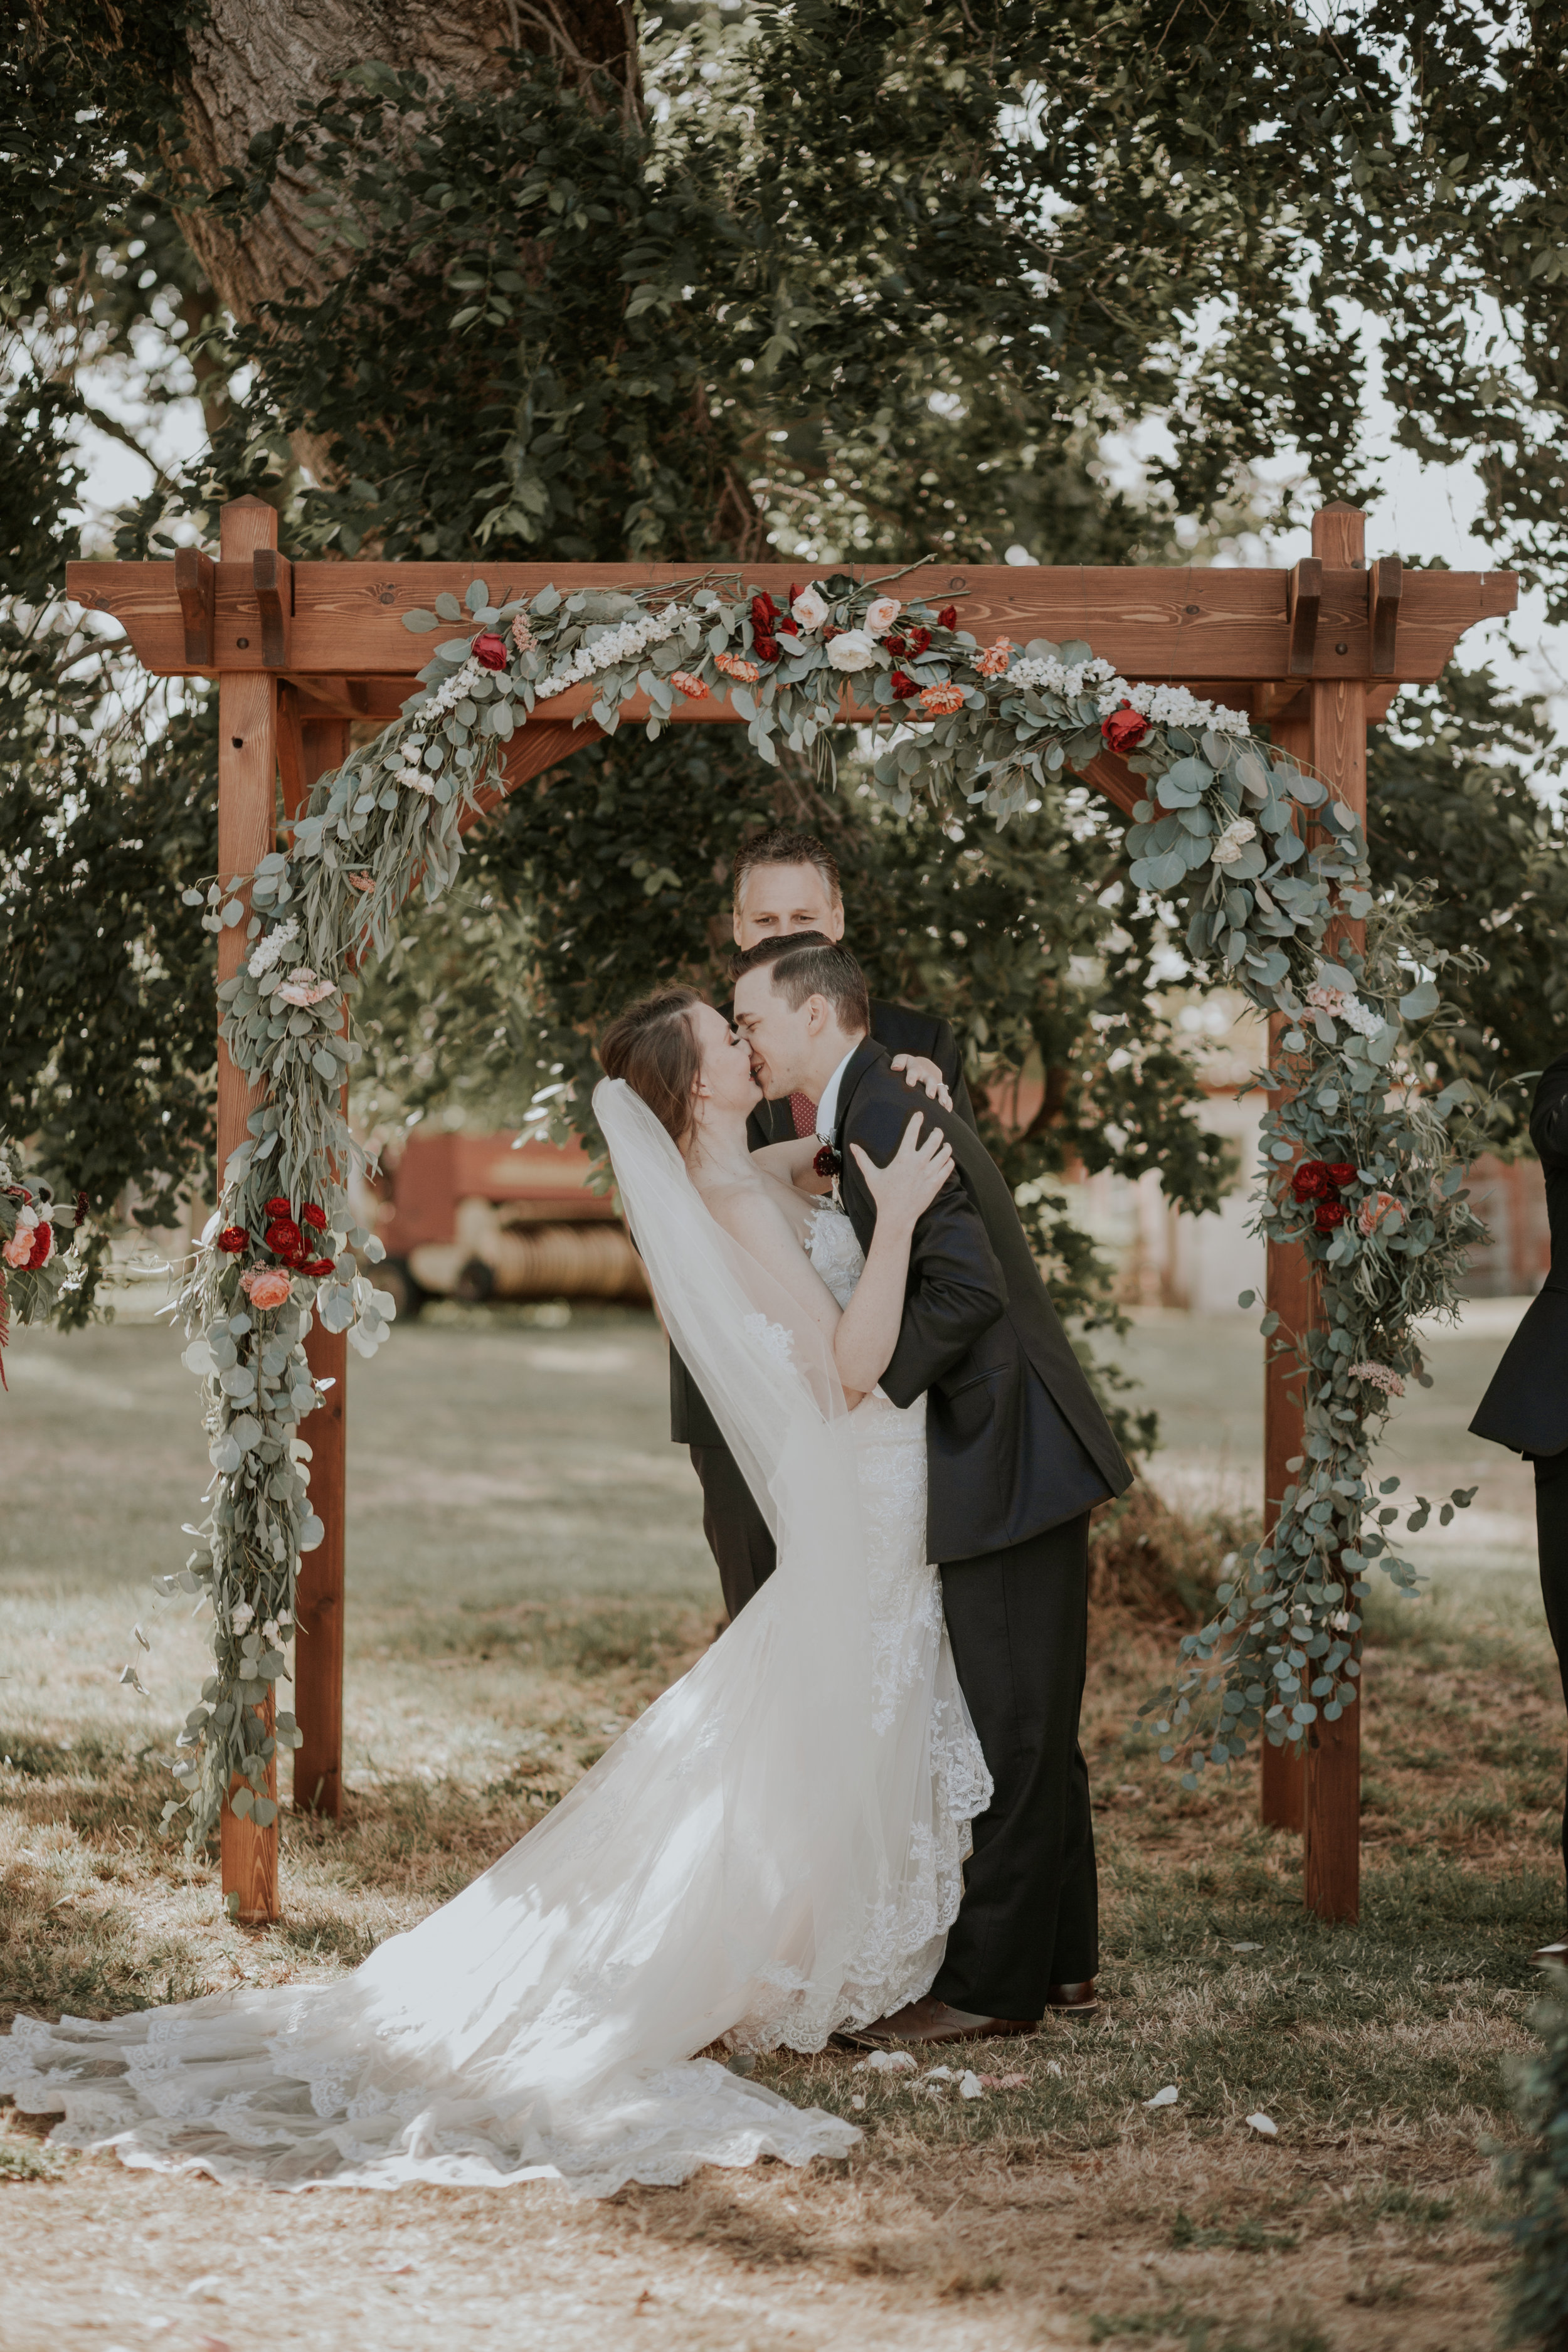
(1363, 1164)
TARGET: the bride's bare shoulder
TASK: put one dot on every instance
(751, 1214)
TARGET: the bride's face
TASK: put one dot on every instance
(726, 1083)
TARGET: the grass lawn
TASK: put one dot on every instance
(526, 1570)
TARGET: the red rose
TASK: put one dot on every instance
(826, 1161)
(764, 612)
(285, 1240)
(278, 1207)
(1124, 730)
(43, 1246)
(314, 1217)
(786, 625)
(766, 648)
(1310, 1182)
(948, 617)
(905, 688)
(794, 593)
(896, 642)
(233, 1239)
(1328, 1215)
(916, 641)
(488, 650)
(80, 1218)
(317, 1266)
(1341, 1173)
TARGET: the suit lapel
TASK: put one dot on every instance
(866, 1056)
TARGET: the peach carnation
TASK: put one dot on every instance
(686, 682)
(736, 666)
(993, 661)
(939, 699)
(265, 1287)
(1374, 1210)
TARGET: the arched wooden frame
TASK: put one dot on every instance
(302, 650)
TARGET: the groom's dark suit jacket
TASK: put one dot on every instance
(901, 1031)
(1016, 1443)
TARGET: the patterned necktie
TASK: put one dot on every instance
(803, 1110)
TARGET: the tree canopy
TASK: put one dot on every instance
(851, 283)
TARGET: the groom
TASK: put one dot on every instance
(784, 882)
(1018, 1454)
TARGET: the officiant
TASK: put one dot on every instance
(783, 883)
(1526, 1407)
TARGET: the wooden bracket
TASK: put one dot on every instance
(274, 577)
(1303, 594)
(196, 585)
(1385, 583)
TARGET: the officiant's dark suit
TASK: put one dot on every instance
(736, 1530)
(1526, 1407)
(1018, 1453)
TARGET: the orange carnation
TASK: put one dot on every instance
(939, 699)
(736, 666)
(992, 663)
(698, 688)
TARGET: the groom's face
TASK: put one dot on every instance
(784, 1039)
(779, 900)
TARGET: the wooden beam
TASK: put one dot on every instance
(1384, 589)
(1305, 597)
(292, 750)
(195, 585)
(273, 576)
(246, 825)
(1158, 624)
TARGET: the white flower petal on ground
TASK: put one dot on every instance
(1246, 1947)
(1165, 2098)
(884, 2061)
(1052, 2068)
(938, 2074)
(970, 2086)
(857, 2098)
(1265, 2125)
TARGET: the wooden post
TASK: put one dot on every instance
(324, 744)
(247, 824)
(1331, 1863)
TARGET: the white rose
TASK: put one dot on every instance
(881, 614)
(852, 649)
(809, 609)
(1232, 841)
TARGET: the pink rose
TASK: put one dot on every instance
(881, 614)
(266, 1289)
(19, 1250)
(488, 650)
(303, 987)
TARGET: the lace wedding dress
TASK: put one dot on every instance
(772, 1850)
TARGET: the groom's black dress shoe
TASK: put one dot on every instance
(1072, 2000)
(927, 2021)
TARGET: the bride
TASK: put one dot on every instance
(771, 1851)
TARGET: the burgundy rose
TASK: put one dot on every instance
(1328, 1215)
(233, 1239)
(1124, 730)
(948, 617)
(896, 642)
(766, 648)
(1310, 1182)
(80, 1218)
(765, 613)
(285, 1240)
(43, 1246)
(488, 650)
(916, 641)
(317, 1266)
(1341, 1173)
(279, 1207)
(314, 1217)
(905, 688)
(826, 1161)
(794, 593)
(786, 625)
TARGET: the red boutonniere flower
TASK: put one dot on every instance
(1124, 730)
(905, 688)
(827, 1161)
(488, 650)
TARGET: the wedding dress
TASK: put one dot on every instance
(772, 1850)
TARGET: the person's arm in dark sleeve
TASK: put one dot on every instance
(1549, 1116)
(957, 1290)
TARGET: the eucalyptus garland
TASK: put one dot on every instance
(1361, 1164)
(36, 1268)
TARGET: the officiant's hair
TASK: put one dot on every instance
(653, 1045)
(807, 964)
(782, 848)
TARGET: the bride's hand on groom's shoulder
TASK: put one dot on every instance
(916, 1071)
(911, 1180)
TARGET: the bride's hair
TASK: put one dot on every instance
(653, 1047)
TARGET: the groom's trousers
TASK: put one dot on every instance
(1018, 1624)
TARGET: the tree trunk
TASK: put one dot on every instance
(256, 63)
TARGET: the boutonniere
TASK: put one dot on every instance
(828, 1163)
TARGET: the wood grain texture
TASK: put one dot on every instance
(1153, 622)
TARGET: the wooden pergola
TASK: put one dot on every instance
(303, 651)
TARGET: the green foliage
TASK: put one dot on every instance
(1538, 2177)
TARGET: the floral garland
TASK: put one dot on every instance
(1360, 1163)
(35, 1272)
